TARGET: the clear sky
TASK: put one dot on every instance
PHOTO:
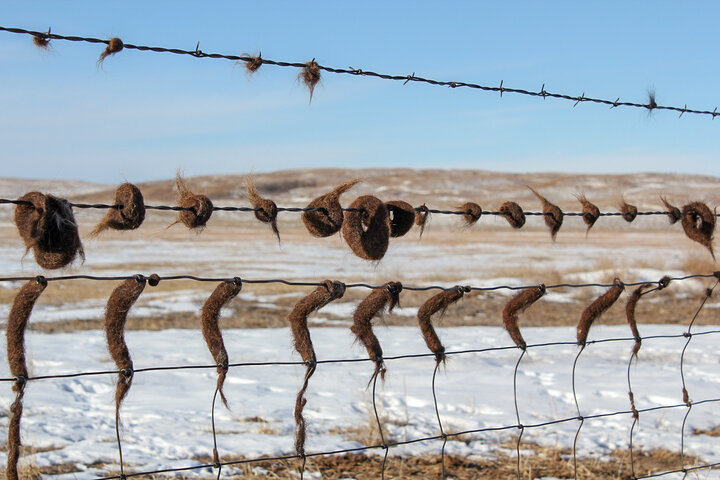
(144, 115)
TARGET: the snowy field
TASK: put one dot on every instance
(166, 417)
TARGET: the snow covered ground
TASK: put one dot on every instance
(166, 417)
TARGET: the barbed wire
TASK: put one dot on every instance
(256, 61)
(104, 206)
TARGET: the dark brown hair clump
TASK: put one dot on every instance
(16, 325)
(373, 306)
(422, 217)
(437, 303)
(327, 219)
(200, 208)
(629, 212)
(674, 213)
(310, 76)
(266, 210)
(220, 297)
(552, 214)
(698, 221)
(317, 299)
(590, 212)
(114, 46)
(366, 228)
(518, 304)
(472, 214)
(402, 217)
(599, 306)
(129, 216)
(47, 226)
(513, 213)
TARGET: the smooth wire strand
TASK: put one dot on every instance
(500, 88)
(353, 360)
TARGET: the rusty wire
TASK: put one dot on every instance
(500, 88)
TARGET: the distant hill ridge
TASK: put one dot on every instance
(437, 188)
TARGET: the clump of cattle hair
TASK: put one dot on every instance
(266, 210)
(210, 316)
(513, 213)
(551, 213)
(47, 225)
(599, 306)
(198, 208)
(698, 222)
(437, 303)
(326, 218)
(366, 227)
(130, 213)
(373, 306)
(518, 304)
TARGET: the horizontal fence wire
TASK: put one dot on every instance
(354, 359)
(41, 278)
(103, 206)
(258, 60)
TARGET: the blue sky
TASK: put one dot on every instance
(145, 115)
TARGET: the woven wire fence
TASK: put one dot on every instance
(443, 433)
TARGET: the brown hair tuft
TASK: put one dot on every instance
(437, 303)
(674, 213)
(422, 217)
(41, 41)
(318, 298)
(254, 63)
(328, 219)
(48, 226)
(201, 208)
(118, 306)
(590, 211)
(373, 306)
(630, 314)
(114, 46)
(267, 212)
(513, 213)
(472, 214)
(402, 217)
(129, 216)
(310, 76)
(698, 221)
(629, 212)
(552, 214)
(366, 228)
(599, 306)
(15, 331)
(210, 316)
(518, 304)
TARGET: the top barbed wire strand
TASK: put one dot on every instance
(7, 201)
(501, 89)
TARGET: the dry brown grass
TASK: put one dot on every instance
(544, 462)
